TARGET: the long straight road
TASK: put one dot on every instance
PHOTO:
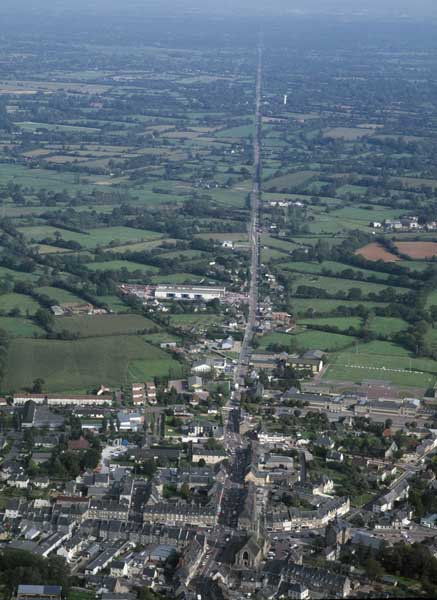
(231, 500)
(246, 346)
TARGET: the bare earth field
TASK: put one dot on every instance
(375, 251)
(418, 250)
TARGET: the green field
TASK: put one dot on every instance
(109, 236)
(187, 321)
(104, 325)
(117, 265)
(334, 286)
(25, 304)
(12, 275)
(317, 306)
(308, 340)
(290, 180)
(387, 325)
(84, 364)
(382, 361)
(333, 267)
(321, 340)
(179, 278)
(343, 323)
(242, 131)
(60, 295)
(17, 327)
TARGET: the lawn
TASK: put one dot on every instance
(104, 325)
(25, 304)
(84, 364)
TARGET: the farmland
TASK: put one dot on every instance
(348, 253)
(129, 185)
(80, 365)
(140, 170)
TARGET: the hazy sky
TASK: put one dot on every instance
(393, 8)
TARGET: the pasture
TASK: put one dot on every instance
(104, 325)
(84, 364)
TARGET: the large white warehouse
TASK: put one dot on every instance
(188, 292)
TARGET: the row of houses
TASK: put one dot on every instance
(63, 400)
(294, 519)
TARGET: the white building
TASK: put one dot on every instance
(58, 400)
(188, 292)
(130, 421)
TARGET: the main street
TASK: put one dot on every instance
(231, 500)
(246, 346)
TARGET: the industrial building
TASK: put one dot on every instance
(188, 292)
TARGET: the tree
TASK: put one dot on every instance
(45, 319)
(37, 386)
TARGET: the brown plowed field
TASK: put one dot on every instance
(375, 251)
(418, 249)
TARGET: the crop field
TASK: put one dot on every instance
(417, 250)
(377, 252)
(84, 364)
(153, 148)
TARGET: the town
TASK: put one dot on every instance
(218, 304)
